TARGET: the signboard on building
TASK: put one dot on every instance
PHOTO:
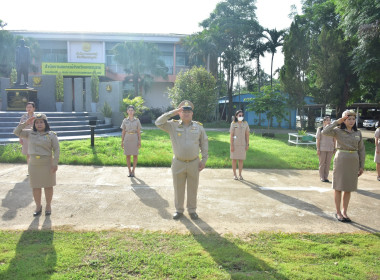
(73, 69)
(88, 52)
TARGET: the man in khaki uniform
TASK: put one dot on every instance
(188, 137)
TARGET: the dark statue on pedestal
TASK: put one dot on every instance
(20, 94)
(22, 63)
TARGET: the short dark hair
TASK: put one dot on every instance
(131, 107)
(47, 127)
(31, 103)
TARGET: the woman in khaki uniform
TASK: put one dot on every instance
(239, 142)
(30, 108)
(348, 162)
(131, 139)
(43, 148)
(325, 150)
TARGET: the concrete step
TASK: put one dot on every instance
(65, 124)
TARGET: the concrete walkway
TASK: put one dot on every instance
(102, 198)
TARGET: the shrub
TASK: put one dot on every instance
(95, 87)
(107, 110)
(198, 86)
(59, 88)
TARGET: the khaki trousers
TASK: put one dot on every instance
(324, 164)
(185, 172)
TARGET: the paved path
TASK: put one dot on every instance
(100, 198)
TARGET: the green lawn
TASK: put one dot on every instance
(156, 151)
(155, 255)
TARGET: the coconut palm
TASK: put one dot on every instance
(275, 39)
(141, 62)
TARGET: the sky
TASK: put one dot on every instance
(138, 16)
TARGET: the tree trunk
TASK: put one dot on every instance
(346, 95)
(230, 88)
(258, 72)
(271, 70)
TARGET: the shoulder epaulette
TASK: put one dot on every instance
(199, 123)
(175, 120)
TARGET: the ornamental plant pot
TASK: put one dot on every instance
(307, 138)
(93, 107)
(59, 106)
(107, 120)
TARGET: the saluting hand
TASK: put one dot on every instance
(342, 119)
(30, 120)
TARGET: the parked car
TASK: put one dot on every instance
(370, 124)
(298, 118)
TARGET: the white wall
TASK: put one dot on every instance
(157, 96)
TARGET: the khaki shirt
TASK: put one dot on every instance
(326, 143)
(24, 118)
(41, 144)
(186, 140)
(238, 131)
(346, 140)
(131, 126)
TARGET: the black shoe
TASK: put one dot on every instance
(177, 215)
(37, 213)
(194, 216)
(47, 213)
(326, 181)
(342, 220)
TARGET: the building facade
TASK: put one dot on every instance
(78, 50)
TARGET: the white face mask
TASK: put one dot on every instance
(240, 119)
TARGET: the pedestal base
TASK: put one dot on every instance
(18, 98)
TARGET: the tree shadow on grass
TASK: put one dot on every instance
(35, 256)
(18, 197)
(235, 261)
(150, 197)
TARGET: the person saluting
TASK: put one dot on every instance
(188, 138)
(43, 149)
(348, 162)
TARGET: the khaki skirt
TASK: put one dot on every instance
(345, 174)
(40, 175)
(239, 152)
(131, 144)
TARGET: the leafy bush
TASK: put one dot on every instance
(137, 102)
(59, 94)
(107, 110)
(198, 86)
(95, 87)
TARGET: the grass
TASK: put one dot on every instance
(156, 151)
(156, 255)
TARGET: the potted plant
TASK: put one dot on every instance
(13, 77)
(107, 113)
(94, 91)
(59, 93)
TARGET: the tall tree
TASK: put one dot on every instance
(229, 25)
(296, 62)
(275, 39)
(141, 62)
(257, 49)
(360, 21)
(7, 52)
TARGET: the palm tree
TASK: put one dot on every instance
(258, 49)
(275, 39)
(141, 62)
